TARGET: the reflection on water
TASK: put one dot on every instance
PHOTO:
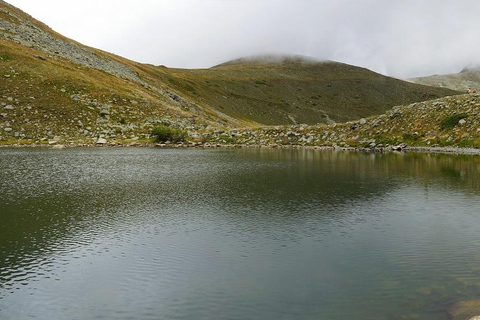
(236, 234)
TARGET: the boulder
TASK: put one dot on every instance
(101, 141)
(400, 147)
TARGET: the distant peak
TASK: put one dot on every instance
(274, 59)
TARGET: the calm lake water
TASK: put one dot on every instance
(236, 234)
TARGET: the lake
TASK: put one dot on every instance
(144, 233)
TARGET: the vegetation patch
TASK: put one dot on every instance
(5, 56)
(164, 134)
(451, 121)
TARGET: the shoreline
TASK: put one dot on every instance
(416, 149)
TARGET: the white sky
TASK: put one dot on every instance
(401, 38)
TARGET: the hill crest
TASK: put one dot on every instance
(273, 59)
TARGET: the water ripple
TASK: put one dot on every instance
(235, 234)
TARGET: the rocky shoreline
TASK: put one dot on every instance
(376, 150)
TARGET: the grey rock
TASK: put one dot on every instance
(101, 141)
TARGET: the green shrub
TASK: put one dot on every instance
(164, 133)
(451, 121)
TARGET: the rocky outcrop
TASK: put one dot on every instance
(27, 34)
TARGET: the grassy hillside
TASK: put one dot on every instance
(53, 89)
(449, 121)
(295, 90)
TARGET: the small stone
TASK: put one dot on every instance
(40, 57)
(9, 107)
(462, 122)
(363, 121)
(8, 129)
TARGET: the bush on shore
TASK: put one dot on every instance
(164, 134)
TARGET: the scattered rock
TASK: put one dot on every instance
(101, 141)
(400, 147)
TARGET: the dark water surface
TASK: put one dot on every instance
(236, 234)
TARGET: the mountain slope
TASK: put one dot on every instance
(286, 90)
(449, 121)
(468, 79)
(53, 88)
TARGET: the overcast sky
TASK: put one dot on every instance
(401, 38)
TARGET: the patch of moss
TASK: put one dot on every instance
(5, 56)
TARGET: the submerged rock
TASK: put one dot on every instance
(465, 310)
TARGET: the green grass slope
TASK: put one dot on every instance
(286, 90)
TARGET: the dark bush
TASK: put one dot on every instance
(164, 134)
(451, 121)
